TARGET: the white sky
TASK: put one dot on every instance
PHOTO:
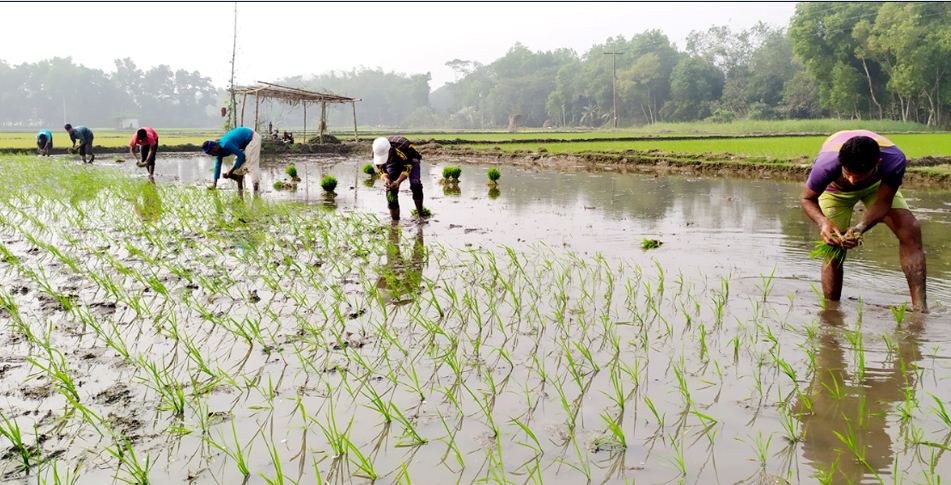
(285, 39)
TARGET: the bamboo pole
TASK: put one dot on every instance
(353, 105)
(304, 134)
(323, 119)
(257, 105)
(244, 102)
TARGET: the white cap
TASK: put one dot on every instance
(381, 151)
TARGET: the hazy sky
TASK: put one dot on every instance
(284, 39)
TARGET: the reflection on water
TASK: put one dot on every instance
(848, 403)
(401, 279)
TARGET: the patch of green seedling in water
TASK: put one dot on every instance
(291, 172)
(651, 244)
(451, 173)
(426, 213)
(494, 175)
(328, 183)
(276, 339)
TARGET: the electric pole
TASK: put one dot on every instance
(234, 48)
(614, 55)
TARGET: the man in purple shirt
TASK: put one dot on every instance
(859, 165)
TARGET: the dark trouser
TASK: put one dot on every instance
(415, 185)
(86, 148)
(148, 155)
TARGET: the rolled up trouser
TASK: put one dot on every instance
(838, 206)
(252, 160)
(415, 185)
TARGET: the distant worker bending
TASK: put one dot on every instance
(396, 160)
(245, 145)
(85, 138)
(860, 165)
(44, 142)
(147, 140)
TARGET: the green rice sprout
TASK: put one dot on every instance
(291, 172)
(827, 252)
(369, 169)
(451, 173)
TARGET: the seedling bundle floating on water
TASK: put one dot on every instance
(450, 175)
(494, 175)
(292, 173)
(328, 183)
(651, 244)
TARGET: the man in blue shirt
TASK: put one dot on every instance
(85, 137)
(44, 142)
(245, 145)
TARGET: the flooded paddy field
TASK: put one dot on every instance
(165, 333)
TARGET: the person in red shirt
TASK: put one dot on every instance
(147, 139)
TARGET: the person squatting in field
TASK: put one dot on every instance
(85, 137)
(396, 160)
(245, 145)
(44, 142)
(859, 165)
(147, 140)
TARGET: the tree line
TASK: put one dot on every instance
(47, 92)
(861, 60)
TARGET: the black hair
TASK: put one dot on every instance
(859, 154)
(42, 136)
(141, 134)
(68, 127)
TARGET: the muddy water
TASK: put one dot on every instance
(704, 223)
(699, 325)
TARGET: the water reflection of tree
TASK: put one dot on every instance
(399, 278)
(855, 406)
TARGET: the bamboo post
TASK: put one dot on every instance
(304, 134)
(244, 102)
(257, 105)
(323, 120)
(353, 105)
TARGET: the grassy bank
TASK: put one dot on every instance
(914, 145)
(740, 127)
(109, 138)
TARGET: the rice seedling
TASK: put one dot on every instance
(11, 431)
(291, 172)
(369, 169)
(494, 175)
(647, 244)
(328, 183)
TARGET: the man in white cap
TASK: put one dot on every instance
(396, 160)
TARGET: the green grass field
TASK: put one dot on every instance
(914, 145)
(752, 127)
(109, 138)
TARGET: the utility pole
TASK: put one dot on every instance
(234, 49)
(614, 55)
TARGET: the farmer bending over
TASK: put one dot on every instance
(84, 136)
(147, 139)
(855, 166)
(396, 160)
(44, 142)
(245, 145)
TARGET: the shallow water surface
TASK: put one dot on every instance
(521, 335)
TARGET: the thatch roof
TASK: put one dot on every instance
(289, 95)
